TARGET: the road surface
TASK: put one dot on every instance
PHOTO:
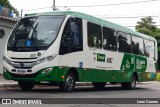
(143, 90)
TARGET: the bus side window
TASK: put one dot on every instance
(137, 45)
(149, 49)
(109, 39)
(94, 35)
(124, 42)
(72, 39)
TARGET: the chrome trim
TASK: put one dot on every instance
(25, 64)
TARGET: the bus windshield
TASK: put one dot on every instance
(34, 33)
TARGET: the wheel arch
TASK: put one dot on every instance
(136, 75)
(75, 72)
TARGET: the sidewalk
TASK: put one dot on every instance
(7, 83)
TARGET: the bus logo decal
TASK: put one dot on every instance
(21, 65)
(101, 57)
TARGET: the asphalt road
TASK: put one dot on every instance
(148, 90)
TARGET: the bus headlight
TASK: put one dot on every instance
(46, 70)
(48, 58)
(6, 60)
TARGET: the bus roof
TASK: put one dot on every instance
(95, 20)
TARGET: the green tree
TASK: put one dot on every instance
(156, 34)
(7, 4)
(146, 26)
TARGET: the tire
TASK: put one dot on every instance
(99, 85)
(69, 83)
(130, 85)
(24, 85)
(124, 85)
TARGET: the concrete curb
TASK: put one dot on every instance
(14, 84)
(5, 85)
(10, 85)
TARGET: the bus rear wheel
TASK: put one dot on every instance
(69, 83)
(24, 85)
(99, 85)
(130, 85)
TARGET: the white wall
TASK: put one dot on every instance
(7, 26)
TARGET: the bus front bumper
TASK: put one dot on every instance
(50, 76)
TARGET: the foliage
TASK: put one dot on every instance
(7, 4)
(158, 76)
(148, 27)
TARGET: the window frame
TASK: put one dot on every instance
(130, 35)
(115, 31)
(101, 47)
(132, 44)
(70, 47)
(154, 48)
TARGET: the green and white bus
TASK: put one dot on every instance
(65, 47)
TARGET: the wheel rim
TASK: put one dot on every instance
(69, 82)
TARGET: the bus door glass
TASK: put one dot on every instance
(72, 39)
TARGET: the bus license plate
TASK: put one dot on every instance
(21, 71)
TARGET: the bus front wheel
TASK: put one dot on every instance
(24, 85)
(130, 85)
(69, 83)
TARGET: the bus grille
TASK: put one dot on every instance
(23, 76)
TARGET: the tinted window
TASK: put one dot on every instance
(109, 39)
(72, 39)
(137, 44)
(124, 42)
(149, 48)
(94, 35)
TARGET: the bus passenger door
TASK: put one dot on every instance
(71, 46)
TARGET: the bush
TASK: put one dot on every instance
(158, 76)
